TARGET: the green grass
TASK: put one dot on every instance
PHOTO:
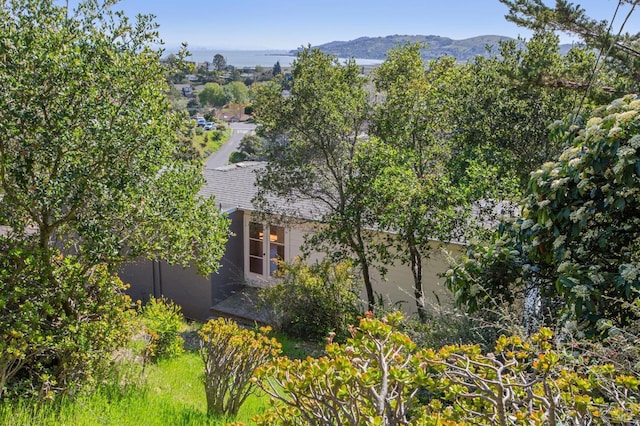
(212, 145)
(171, 393)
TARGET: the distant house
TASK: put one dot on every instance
(248, 261)
(232, 113)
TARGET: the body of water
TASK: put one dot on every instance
(251, 58)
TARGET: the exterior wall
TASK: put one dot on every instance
(184, 286)
(194, 293)
(197, 294)
(397, 285)
(230, 276)
(141, 276)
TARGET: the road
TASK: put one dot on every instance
(221, 156)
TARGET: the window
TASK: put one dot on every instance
(262, 253)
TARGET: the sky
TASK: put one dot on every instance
(288, 24)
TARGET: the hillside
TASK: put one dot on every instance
(377, 47)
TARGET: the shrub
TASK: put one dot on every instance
(378, 375)
(313, 301)
(528, 381)
(575, 244)
(372, 379)
(163, 321)
(236, 157)
(57, 338)
(231, 355)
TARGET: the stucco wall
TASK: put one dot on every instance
(397, 285)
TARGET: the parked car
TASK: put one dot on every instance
(200, 121)
(210, 125)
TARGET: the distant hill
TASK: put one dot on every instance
(377, 47)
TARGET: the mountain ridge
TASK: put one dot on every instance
(377, 47)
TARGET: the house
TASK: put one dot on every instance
(248, 261)
(232, 113)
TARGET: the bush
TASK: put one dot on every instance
(163, 321)
(378, 375)
(57, 338)
(236, 157)
(231, 355)
(372, 379)
(313, 301)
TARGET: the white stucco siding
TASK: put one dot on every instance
(397, 285)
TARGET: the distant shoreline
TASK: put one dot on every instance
(252, 58)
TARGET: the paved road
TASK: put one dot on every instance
(221, 156)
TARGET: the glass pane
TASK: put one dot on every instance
(255, 248)
(255, 230)
(276, 251)
(276, 234)
(255, 265)
(273, 255)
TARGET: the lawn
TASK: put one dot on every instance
(213, 141)
(167, 393)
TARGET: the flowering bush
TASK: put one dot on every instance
(578, 238)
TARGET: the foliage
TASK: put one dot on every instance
(230, 355)
(379, 376)
(163, 322)
(89, 164)
(527, 381)
(620, 49)
(236, 92)
(313, 301)
(414, 193)
(511, 99)
(577, 238)
(237, 157)
(170, 394)
(219, 62)
(371, 379)
(277, 69)
(314, 136)
(253, 147)
(57, 338)
(212, 94)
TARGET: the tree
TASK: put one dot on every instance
(577, 238)
(212, 94)
(414, 191)
(88, 154)
(253, 146)
(511, 100)
(316, 134)
(219, 62)
(621, 50)
(236, 92)
(276, 69)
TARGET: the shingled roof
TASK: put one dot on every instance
(234, 186)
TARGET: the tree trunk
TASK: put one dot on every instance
(416, 271)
